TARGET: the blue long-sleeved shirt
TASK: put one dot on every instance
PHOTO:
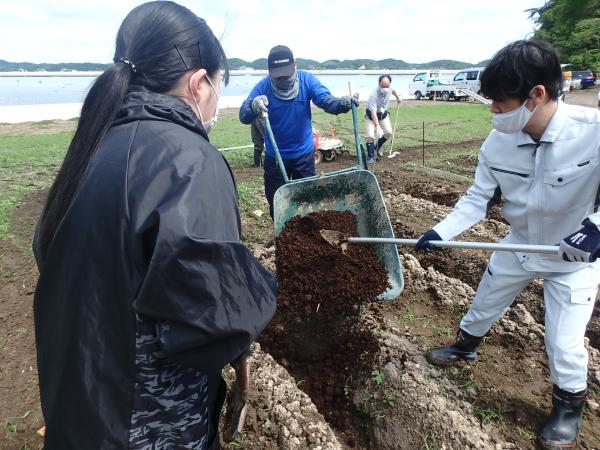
(291, 120)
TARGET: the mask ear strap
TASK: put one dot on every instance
(194, 98)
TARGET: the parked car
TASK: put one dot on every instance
(418, 86)
(583, 78)
(469, 79)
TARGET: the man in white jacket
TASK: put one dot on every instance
(543, 158)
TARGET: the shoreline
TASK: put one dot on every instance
(65, 111)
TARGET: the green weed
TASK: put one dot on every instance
(10, 425)
(530, 371)
(489, 415)
(390, 398)
(428, 443)
(525, 433)
(378, 376)
(348, 385)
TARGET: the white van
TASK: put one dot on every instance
(469, 79)
(418, 85)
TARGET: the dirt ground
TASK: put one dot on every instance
(400, 401)
(584, 97)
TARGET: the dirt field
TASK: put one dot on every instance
(584, 97)
(399, 401)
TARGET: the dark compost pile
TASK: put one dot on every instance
(317, 333)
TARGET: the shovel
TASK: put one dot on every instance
(393, 154)
(339, 239)
(235, 416)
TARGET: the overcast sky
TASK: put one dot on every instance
(416, 31)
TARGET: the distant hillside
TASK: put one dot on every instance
(6, 66)
(354, 64)
(259, 64)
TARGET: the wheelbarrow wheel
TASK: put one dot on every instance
(318, 156)
(328, 155)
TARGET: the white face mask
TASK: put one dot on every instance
(512, 121)
(207, 125)
(384, 90)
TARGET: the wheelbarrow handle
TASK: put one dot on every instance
(525, 248)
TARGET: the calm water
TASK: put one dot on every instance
(52, 90)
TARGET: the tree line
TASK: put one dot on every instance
(573, 27)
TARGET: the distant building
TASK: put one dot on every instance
(362, 67)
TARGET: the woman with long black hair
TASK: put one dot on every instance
(145, 292)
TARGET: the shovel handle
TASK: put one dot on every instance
(269, 134)
(359, 153)
(525, 248)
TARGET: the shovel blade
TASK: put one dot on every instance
(335, 238)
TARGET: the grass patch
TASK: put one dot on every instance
(27, 163)
(43, 124)
(456, 160)
(444, 124)
(254, 210)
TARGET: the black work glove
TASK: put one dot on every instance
(424, 245)
(259, 104)
(583, 245)
(346, 102)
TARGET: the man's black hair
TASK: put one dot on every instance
(520, 66)
(385, 76)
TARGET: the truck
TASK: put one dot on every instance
(418, 85)
(445, 92)
(469, 79)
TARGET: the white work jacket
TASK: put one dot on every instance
(550, 186)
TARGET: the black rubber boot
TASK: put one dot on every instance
(382, 140)
(258, 157)
(462, 350)
(562, 427)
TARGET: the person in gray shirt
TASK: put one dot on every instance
(377, 116)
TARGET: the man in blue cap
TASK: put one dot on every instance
(286, 94)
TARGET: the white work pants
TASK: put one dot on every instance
(384, 124)
(569, 300)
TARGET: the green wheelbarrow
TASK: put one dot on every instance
(353, 189)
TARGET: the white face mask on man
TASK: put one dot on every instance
(512, 121)
(207, 125)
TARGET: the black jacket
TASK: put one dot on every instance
(145, 292)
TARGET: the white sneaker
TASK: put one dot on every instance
(380, 152)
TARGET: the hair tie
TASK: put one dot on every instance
(128, 62)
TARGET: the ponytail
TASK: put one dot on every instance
(157, 43)
(99, 109)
